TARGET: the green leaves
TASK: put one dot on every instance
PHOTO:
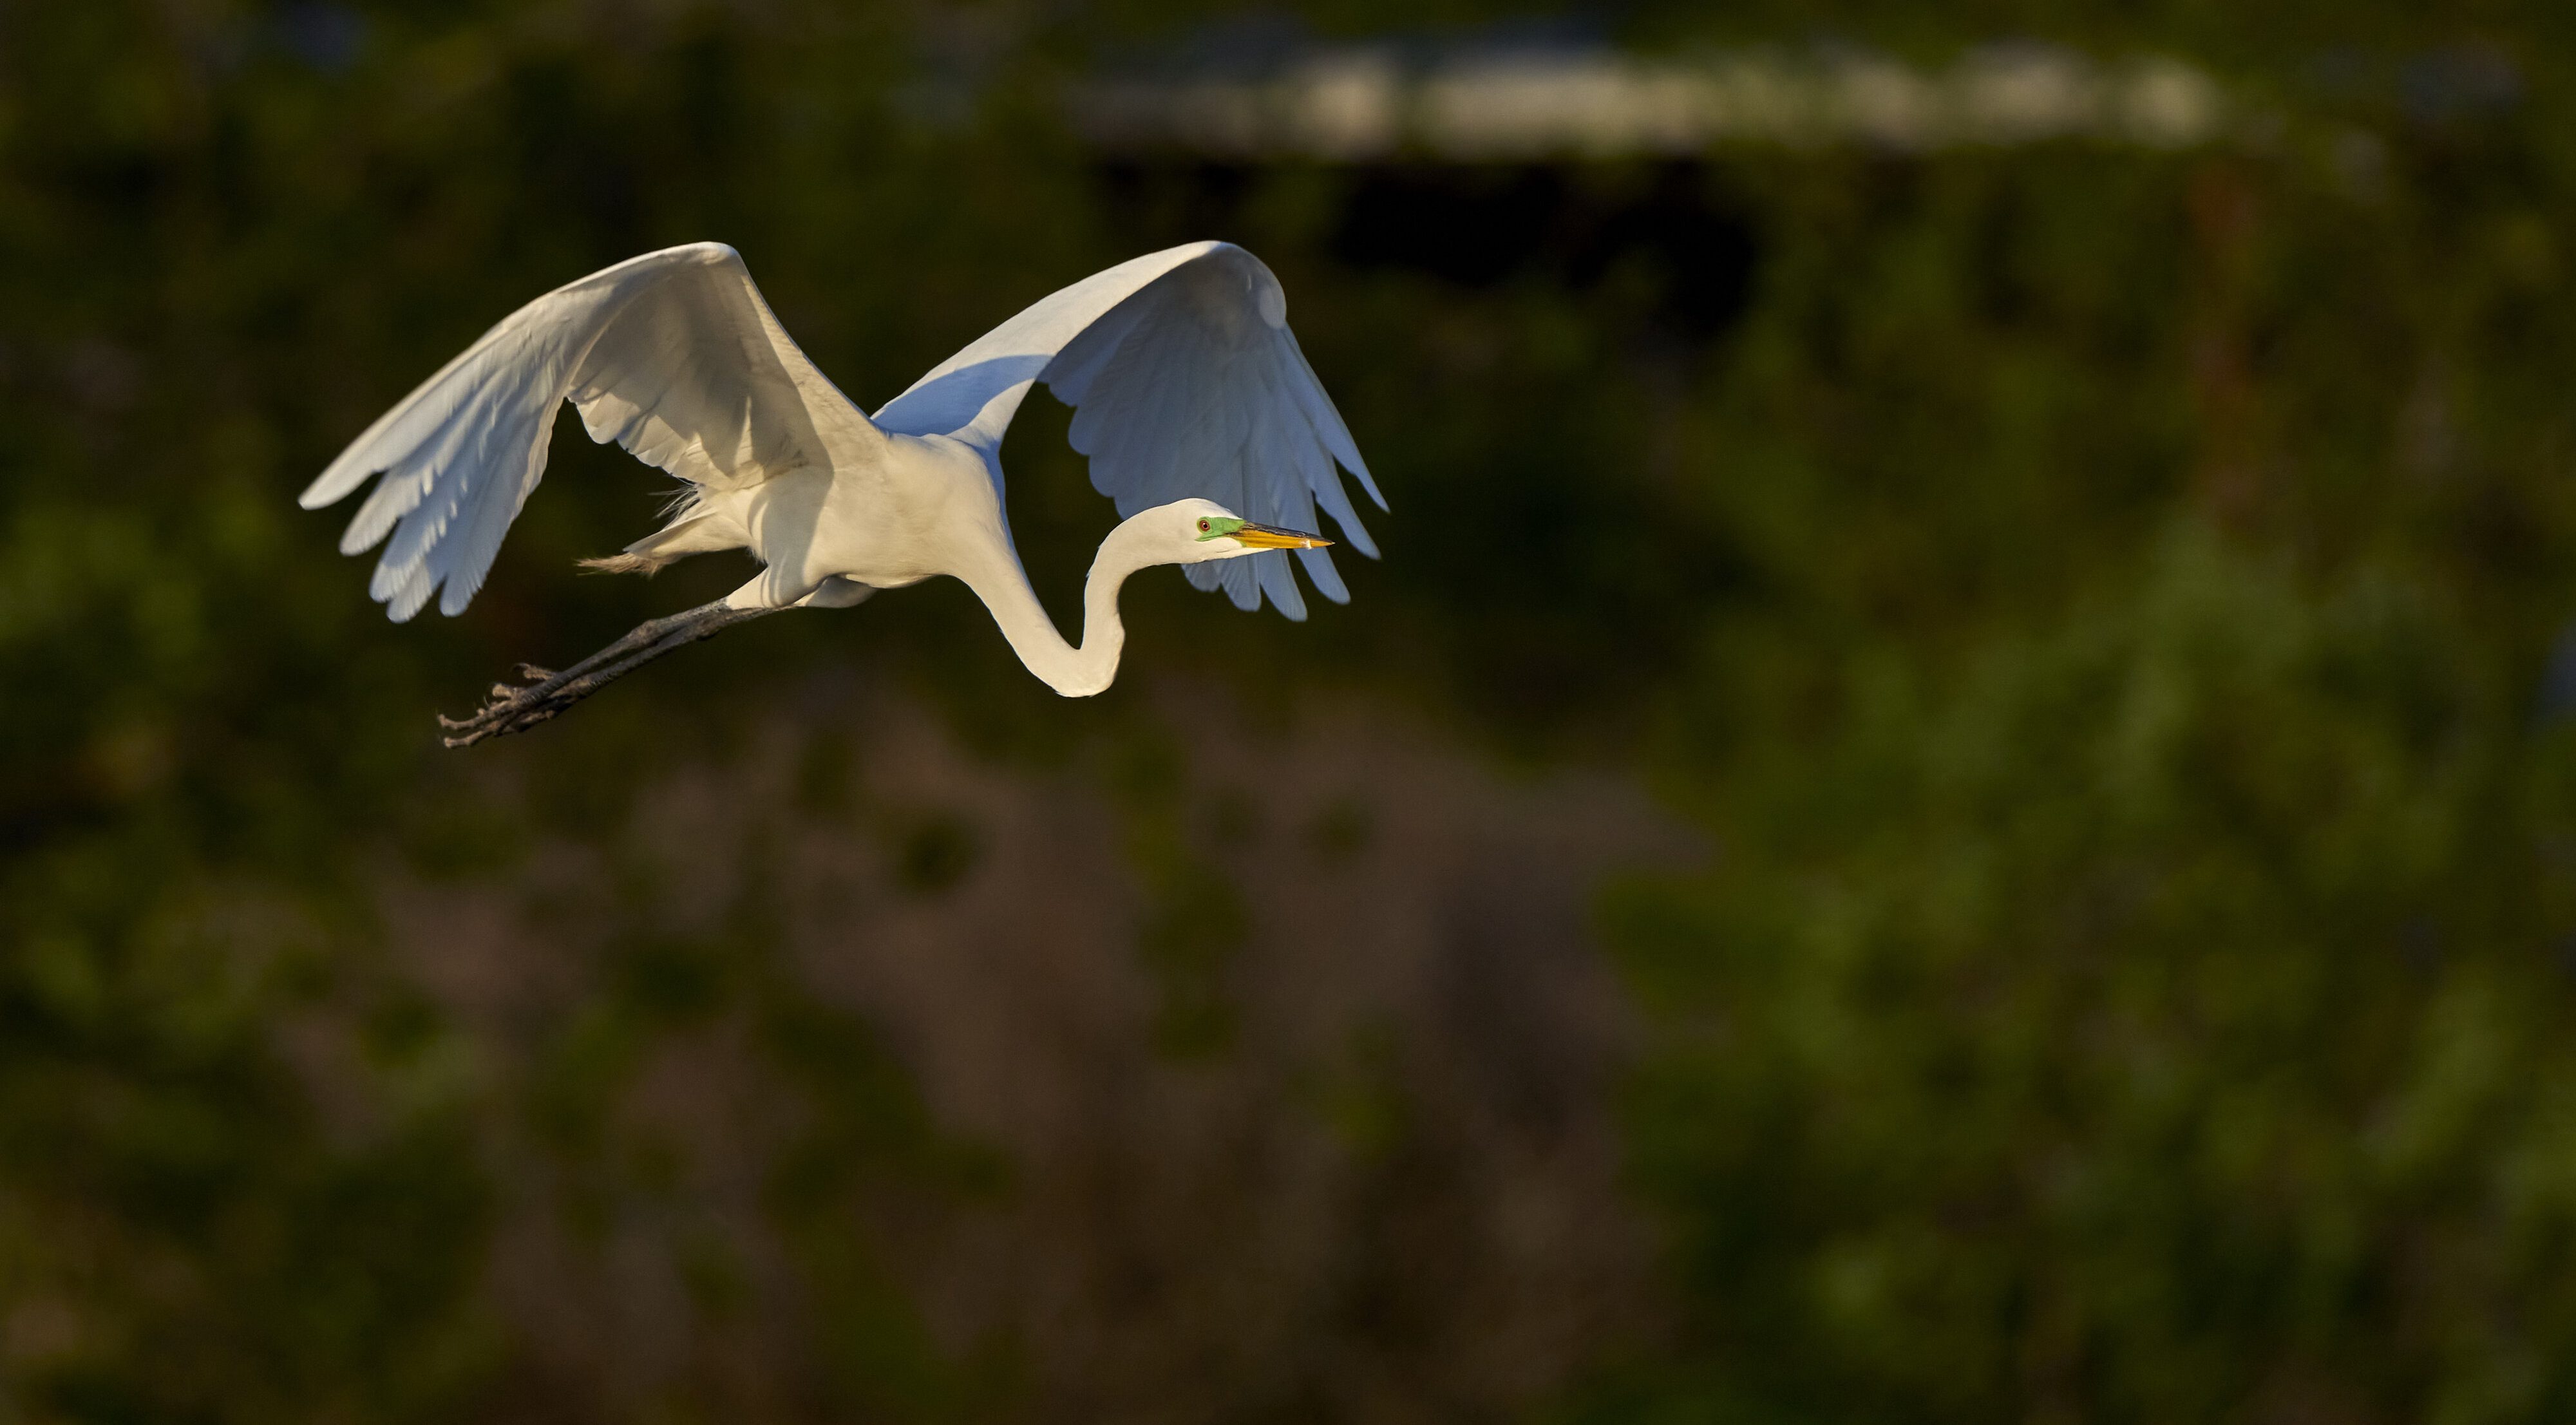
(2139, 1025)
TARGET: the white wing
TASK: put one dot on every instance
(1188, 382)
(672, 355)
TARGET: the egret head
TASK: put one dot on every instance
(1200, 530)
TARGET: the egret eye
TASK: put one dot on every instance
(1203, 526)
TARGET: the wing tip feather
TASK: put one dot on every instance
(1368, 482)
(338, 481)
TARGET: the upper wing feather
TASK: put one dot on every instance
(672, 355)
(1187, 382)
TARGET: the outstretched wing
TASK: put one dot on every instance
(1188, 382)
(672, 355)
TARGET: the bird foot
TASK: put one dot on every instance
(547, 693)
(507, 709)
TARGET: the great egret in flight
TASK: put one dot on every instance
(1201, 417)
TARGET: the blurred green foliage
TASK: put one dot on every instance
(2138, 978)
(2098, 601)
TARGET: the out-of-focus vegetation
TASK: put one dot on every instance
(2099, 603)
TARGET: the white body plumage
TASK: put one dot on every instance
(1200, 415)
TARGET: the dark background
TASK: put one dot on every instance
(1953, 801)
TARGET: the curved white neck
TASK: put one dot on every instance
(1074, 672)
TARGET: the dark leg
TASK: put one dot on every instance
(547, 694)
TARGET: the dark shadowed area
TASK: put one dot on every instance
(1955, 800)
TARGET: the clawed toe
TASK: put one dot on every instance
(547, 693)
(508, 709)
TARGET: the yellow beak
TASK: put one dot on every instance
(1262, 536)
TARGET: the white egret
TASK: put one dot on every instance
(1202, 420)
